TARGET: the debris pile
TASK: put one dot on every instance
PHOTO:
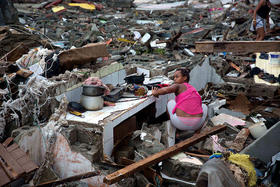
(75, 90)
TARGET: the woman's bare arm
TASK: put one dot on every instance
(166, 90)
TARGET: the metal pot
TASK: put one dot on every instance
(92, 102)
(93, 90)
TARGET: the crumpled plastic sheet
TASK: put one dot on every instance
(215, 173)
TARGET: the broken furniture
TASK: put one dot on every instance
(14, 162)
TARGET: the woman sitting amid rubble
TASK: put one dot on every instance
(186, 111)
(260, 22)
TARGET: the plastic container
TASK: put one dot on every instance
(258, 129)
(274, 59)
(145, 38)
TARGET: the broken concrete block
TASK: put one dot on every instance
(124, 151)
(141, 180)
(168, 137)
(85, 141)
(182, 167)
(214, 107)
(128, 182)
(145, 144)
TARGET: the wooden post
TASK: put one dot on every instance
(237, 46)
(128, 170)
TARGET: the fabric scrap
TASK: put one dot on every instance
(244, 162)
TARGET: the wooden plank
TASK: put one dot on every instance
(12, 147)
(198, 155)
(70, 179)
(122, 173)
(23, 160)
(237, 46)
(7, 169)
(8, 141)
(4, 179)
(29, 166)
(124, 128)
(17, 153)
(11, 163)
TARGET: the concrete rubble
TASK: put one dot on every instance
(49, 49)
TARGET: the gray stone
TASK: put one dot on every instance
(141, 180)
(84, 140)
(124, 151)
(182, 170)
(145, 144)
(127, 182)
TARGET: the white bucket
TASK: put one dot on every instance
(274, 58)
(258, 129)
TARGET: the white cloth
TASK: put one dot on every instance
(185, 123)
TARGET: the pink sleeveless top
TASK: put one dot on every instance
(189, 101)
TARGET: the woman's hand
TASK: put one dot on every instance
(155, 91)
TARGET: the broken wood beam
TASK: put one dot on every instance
(237, 46)
(155, 158)
(197, 155)
(70, 179)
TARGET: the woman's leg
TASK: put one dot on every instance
(173, 117)
(170, 105)
(260, 34)
(187, 124)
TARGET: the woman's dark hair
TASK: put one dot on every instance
(185, 73)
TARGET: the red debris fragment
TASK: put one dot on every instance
(53, 3)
